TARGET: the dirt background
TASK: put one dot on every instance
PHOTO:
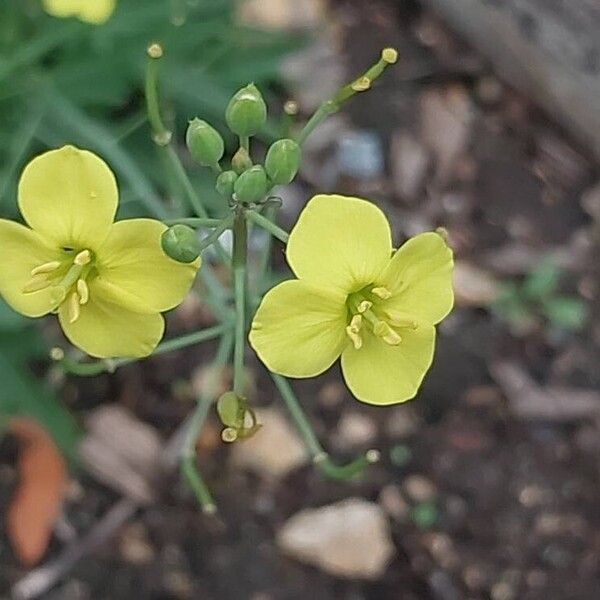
(489, 481)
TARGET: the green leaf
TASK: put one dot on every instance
(566, 313)
(542, 281)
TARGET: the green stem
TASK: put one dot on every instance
(245, 143)
(194, 222)
(360, 84)
(268, 225)
(320, 457)
(189, 468)
(161, 135)
(109, 365)
(264, 260)
(212, 237)
(240, 250)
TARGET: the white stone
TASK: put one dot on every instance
(274, 450)
(348, 539)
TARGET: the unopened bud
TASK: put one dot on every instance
(231, 409)
(181, 243)
(241, 161)
(246, 112)
(225, 182)
(204, 143)
(282, 162)
(251, 185)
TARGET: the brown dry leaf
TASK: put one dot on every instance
(36, 502)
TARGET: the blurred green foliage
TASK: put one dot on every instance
(537, 298)
(63, 81)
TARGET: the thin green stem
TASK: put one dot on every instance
(189, 468)
(264, 260)
(195, 222)
(161, 135)
(268, 225)
(240, 251)
(319, 456)
(245, 143)
(360, 84)
(110, 365)
(212, 237)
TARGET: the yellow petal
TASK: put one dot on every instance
(90, 11)
(299, 330)
(381, 374)
(339, 242)
(419, 277)
(21, 251)
(106, 330)
(132, 263)
(69, 196)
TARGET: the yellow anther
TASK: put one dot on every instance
(291, 108)
(73, 307)
(354, 337)
(83, 290)
(83, 258)
(389, 55)
(381, 292)
(356, 323)
(45, 268)
(364, 306)
(386, 333)
(35, 284)
(155, 50)
(362, 84)
(398, 319)
(229, 435)
(57, 353)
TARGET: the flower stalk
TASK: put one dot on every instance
(240, 252)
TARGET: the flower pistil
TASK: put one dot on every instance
(365, 311)
(68, 280)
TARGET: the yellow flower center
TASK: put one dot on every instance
(67, 279)
(365, 311)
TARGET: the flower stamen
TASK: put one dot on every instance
(45, 268)
(381, 292)
(83, 258)
(74, 307)
(83, 290)
(36, 283)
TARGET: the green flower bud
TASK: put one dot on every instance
(282, 162)
(241, 161)
(204, 143)
(231, 409)
(246, 112)
(181, 243)
(225, 182)
(251, 185)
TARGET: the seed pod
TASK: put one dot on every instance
(241, 161)
(181, 243)
(251, 185)
(224, 184)
(204, 143)
(246, 112)
(282, 162)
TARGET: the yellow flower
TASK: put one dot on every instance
(89, 11)
(107, 281)
(356, 298)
